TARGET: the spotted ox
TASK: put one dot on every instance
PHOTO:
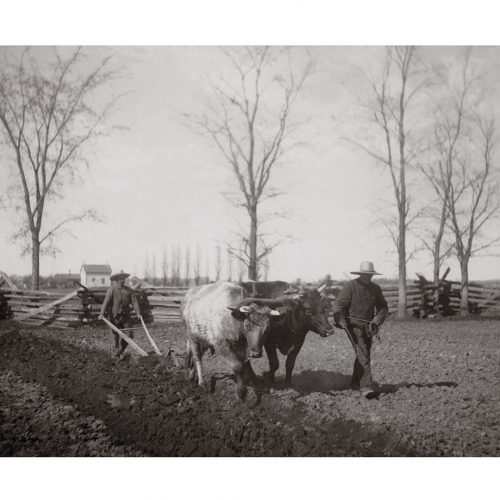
(219, 317)
(300, 313)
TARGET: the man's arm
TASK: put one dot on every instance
(381, 308)
(342, 304)
(107, 300)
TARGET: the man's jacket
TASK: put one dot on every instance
(119, 300)
(360, 300)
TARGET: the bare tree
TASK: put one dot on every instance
(392, 97)
(248, 118)
(265, 266)
(164, 267)
(473, 200)
(218, 262)
(241, 267)
(47, 116)
(452, 112)
(187, 263)
(207, 267)
(462, 175)
(229, 262)
(197, 270)
(146, 271)
(153, 269)
(176, 258)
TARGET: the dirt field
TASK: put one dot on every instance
(62, 394)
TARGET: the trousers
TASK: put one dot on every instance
(361, 342)
(122, 322)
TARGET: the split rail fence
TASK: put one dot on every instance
(83, 306)
(162, 304)
(423, 301)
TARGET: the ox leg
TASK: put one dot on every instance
(197, 352)
(238, 368)
(274, 363)
(290, 363)
(189, 363)
(249, 373)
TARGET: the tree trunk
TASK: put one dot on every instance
(253, 264)
(402, 271)
(435, 276)
(464, 288)
(35, 263)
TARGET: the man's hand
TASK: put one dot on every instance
(341, 323)
(100, 317)
(373, 328)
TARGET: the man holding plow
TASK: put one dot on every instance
(360, 309)
(117, 301)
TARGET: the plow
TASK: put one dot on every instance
(170, 352)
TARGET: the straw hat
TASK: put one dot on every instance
(366, 267)
(119, 276)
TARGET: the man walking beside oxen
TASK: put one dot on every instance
(360, 309)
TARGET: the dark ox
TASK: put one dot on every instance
(300, 313)
(218, 317)
(266, 289)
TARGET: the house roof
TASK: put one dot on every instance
(97, 268)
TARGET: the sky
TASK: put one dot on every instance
(159, 184)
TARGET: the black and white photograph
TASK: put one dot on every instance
(277, 249)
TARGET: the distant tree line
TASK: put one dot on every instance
(182, 265)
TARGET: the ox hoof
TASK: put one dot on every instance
(211, 385)
(241, 392)
(268, 377)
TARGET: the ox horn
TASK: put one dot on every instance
(243, 309)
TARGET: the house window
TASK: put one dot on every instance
(102, 281)
(93, 279)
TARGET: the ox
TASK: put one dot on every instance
(266, 289)
(300, 313)
(218, 317)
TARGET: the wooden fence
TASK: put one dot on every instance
(162, 304)
(422, 300)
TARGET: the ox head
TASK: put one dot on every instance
(314, 309)
(256, 320)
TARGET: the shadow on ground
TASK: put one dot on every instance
(310, 381)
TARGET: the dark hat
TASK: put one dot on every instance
(366, 267)
(119, 276)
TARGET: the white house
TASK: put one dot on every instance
(95, 275)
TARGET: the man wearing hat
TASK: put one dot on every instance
(117, 301)
(360, 309)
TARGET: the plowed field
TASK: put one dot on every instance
(63, 394)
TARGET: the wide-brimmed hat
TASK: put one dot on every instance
(119, 276)
(366, 267)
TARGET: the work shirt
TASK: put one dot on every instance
(360, 300)
(120, 299)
